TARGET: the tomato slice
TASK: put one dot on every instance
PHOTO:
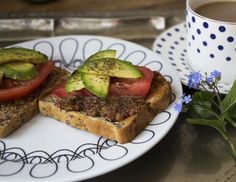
(132, 87)
(27, 87)
(118, 86)
(61, 92)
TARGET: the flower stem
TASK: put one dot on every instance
(231, 145)
(230, 120)
(217, 93)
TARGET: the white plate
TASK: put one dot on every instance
(44, 149)
(171, 46)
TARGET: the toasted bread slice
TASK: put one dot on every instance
(14, 114)
(121, 131)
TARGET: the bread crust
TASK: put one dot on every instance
(13, 114)
(123, 131)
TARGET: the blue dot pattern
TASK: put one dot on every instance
(220, 47)
(204, 43)
(222, 29)
(174, 44)
(230, 39)
(177, 29)
(205, 25)
(213, 36)
(198, 31)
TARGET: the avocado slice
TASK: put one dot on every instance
(19, 70)
(110, 53)
(96, 84)
(110, 67)
(22, 55)
(74, 82)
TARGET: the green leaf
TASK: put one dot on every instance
(229, 100)
(202, 104)
(232, 111)
(203, 96)
(202, 109)
(217, 124)
(230, 119)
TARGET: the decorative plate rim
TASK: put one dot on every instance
(97, 156)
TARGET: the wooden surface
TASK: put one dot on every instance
(171, 12)
(88, 5)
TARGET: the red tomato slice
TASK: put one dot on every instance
(60, 90)
(27, 87)
(132, 87)
(118, 86)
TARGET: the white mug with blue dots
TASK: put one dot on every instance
(211, 43)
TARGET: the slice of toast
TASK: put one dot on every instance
(14, 114)
(123, 130)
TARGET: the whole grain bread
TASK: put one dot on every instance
(122, 131)
(14, 114)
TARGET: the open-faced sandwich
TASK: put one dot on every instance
(109, 97)
(25, 77)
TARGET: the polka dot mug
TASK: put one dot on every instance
(211, 44)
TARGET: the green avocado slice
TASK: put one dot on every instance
(96, 84)
(110, 67)
(19, 70)
(74, 82)
(110, 53)
(21, 55)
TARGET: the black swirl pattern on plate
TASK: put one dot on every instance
(118, 46)
(42, 159)
(9, 171)
(165, 117)
(67, 63)
(140, 55)
(93, 42)
(50, 55)
(148, 137)
(71, 159)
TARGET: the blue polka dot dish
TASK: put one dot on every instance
(174, 50)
